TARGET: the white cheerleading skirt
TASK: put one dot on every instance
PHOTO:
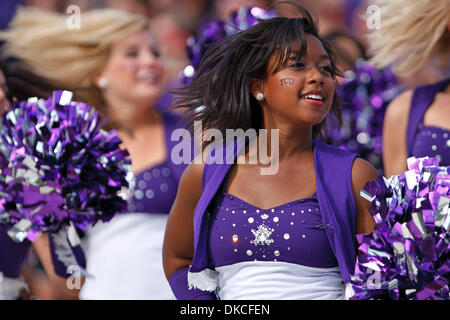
(274, 280)
(124, 259)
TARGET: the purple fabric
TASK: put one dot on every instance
(179, 285)
(296, 229)
(59, 267)
(8, 9)
(156, 187)
(155, 190)
(12, 254)
(334, 193)
(432, 142)
(422, 98)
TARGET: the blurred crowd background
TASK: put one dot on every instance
(175, 21)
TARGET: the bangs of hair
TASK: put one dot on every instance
(293, 44)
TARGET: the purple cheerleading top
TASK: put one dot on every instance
(155, 190)
(12, 254)
(292, 232)
(423, 140)
(156, 187)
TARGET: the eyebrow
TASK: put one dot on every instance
(322, 57)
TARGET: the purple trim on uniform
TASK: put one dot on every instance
(179, 285)
(432, 142)
(12, 254)
(296, 229)
(422, 98)
(156, 187)
(334, 191)
(155, 190)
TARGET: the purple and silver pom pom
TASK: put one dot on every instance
(57, 167)
(407, 255)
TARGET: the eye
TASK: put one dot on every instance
(131, 53)
(326, 69)
(156, 53)
(297, 65)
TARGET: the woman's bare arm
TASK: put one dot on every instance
(394, 135)
(178, 247)
(362, 172)
(42, 248)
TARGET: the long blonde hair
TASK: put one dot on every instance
(412, 33)
(70, 57)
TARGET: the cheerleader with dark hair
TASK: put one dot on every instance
(234, 233)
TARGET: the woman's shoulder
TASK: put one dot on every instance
(399, 107)
(334, 150)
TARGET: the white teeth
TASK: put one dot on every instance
(149, 77)
(314, 97)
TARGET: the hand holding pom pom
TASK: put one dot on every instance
(407, 255)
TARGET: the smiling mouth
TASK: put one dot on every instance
(314, 97)
(148, 78)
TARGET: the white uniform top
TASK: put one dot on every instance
(275, 280)
(124, 258)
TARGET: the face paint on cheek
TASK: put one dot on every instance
(287, 81)
(129, 65)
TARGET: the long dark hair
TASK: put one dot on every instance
(21, 83)
(219, 94)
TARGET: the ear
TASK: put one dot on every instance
(255, 87)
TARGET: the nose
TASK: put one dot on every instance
(149, 57)
(314, 76)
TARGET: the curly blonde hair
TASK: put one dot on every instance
(412, 33)
(70, 57)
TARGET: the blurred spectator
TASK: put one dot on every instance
(176, 22)
(331, 13)
(347, 48)
(160, 6)
(52, 5)
(133, 6)
(173, 44)
(223, 9)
